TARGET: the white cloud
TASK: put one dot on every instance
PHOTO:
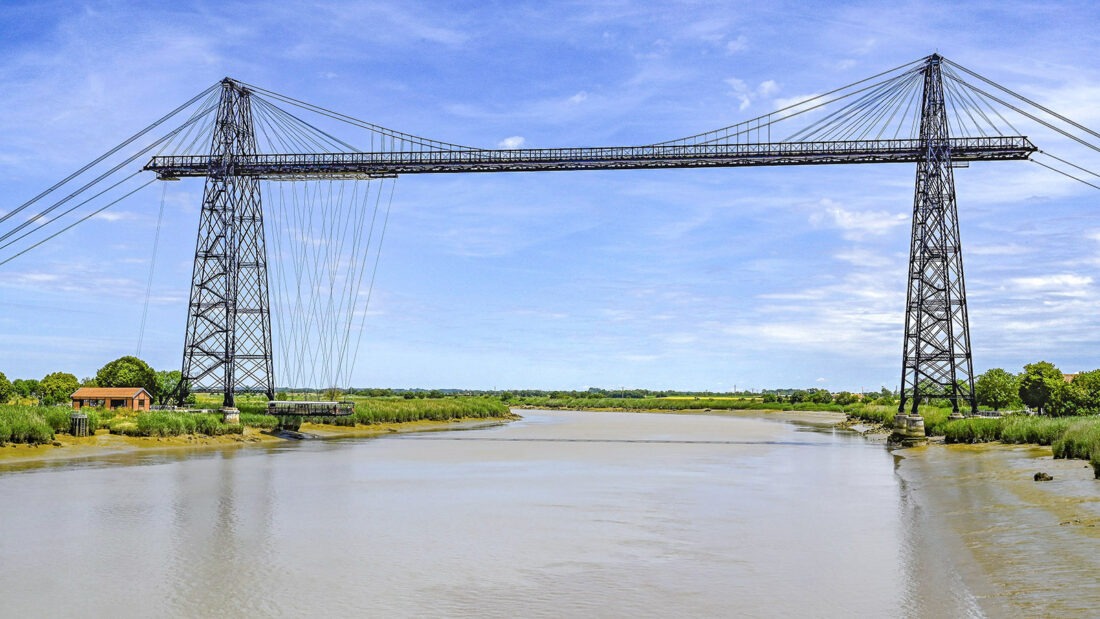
(1005, 249)
(580, 97)
(746, 95)
(793, 102)
(113, 216)
(739, 44)
(1064, 284)
(514, 141)
(856, 225)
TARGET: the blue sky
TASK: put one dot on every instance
(689, 279)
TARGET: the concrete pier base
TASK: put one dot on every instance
(909, 427)
(231, 415)
(954, 416)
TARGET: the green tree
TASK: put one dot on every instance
(127, 371)
(1038, 382)
(25, 387)
(168, 381)
(1066, 400)
(1081, 397)
(56, 388)
(6, 389)
(997, 388)
(844, 398)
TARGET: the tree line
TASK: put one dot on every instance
(1040, 386)
(56, 387)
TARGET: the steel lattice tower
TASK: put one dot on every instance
(228, 341)
(936, 357)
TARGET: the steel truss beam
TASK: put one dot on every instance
(351, 165)
(936, 359)
(227, 346)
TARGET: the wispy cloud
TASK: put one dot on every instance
(856, 225)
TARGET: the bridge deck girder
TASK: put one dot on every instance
(377, 164)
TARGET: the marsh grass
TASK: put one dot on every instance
(972, 430)
(1068, 437)
(26, 424)
(397, 410)
(168, 423)
(259, 420)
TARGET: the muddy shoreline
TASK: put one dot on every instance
(65, 447)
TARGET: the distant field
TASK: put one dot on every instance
(709, 397)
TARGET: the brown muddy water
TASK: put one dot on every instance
(560, 514)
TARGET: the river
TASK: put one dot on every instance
(559, 514)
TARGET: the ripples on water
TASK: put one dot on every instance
(561, 514)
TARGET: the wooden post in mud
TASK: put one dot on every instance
(78, 424)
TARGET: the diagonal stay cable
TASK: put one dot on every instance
(1025, 99)
(360, 123)
(697, 138)
(81, 220)
(107, 154)
(70, 210)
(1069, 163)
(1053, 169)
(1045, 123)
(89, 185)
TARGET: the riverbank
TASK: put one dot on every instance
(1019, 547)
(66, 447)
(1022, 547)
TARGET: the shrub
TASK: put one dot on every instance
(58, 418)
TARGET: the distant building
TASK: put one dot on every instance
(1069, 377)
(131, 398)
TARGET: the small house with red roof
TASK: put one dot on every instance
(130, 398)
